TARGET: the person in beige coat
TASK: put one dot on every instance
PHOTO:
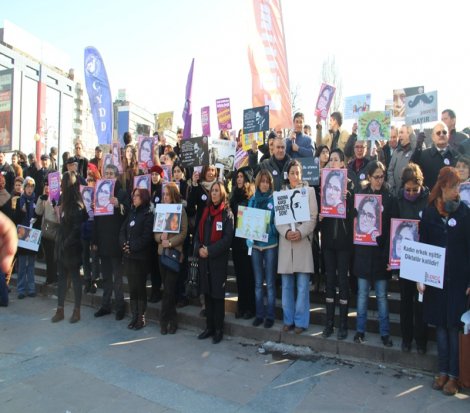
(335, 137)
(295, 262)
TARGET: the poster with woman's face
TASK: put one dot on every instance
(143, 182)
(88, 193)
(28, 238)
(400, 230)
(145, 152)
(104, 191)
(368, 223)
(325, 97)
(166, 173)
(374, 126)
(116, 155)
(333, 192)
(167, 218)
(107, 160)
(465, 193)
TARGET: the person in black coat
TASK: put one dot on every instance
(337, 249)
(68, 247)
(446, 224)
(370, 262)
(106, 243)
(212, 243)
(135, 239)
(433, 159)
(411, 201)
(358, 166)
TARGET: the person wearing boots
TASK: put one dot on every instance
(135, 239)
(337, 237)
(68, 246)
(173, 239)
(212, 240)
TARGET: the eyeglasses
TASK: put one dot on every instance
(441, 132)
(378, 177)
(367, 215)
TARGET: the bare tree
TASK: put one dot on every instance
(294, 98)
(330, 75)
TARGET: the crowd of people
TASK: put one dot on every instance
(413, 181)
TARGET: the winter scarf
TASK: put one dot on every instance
(216, 214)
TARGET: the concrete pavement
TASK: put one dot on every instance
(98, 365)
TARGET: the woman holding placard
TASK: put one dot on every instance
(295, 261)
(172, 238)
(370, 261)
(446, 223)
(412, 200)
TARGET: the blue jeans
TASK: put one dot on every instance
(296, 311)
(264, 266)
(25, 283)
(382, 304)
(448, 350)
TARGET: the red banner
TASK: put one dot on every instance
(268, 61)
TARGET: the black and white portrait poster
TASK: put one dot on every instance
(195, 152)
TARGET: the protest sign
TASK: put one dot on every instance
(465, 193)
(400, 230)
(53, 180)
(222, 153)
(224, 116)
(104, 191)
(291, 206)
(107, 160)
(256, 119)
(368, 223)
(167, 218)
(166, 173)
(88, 193)
(421, 108)
(333, 192)
(28, 238)
(206, 121)
(247, 139)
(399, 96)
(355, 105)
(253, 223)
(145, 156)
(143, 182)
(325, 97)
(310, 170)
(116, 155)
(241, 159)
(423, 263)
(374, 126)
(195, 152)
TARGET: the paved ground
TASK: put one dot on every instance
(98, 365)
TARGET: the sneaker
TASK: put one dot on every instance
(120, 314)
(268, 323)
(102, 311)
(257, 321)
(359, 338)
(387, 342)
(21, 296)
(451, 387)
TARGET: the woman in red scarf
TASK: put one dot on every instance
(212, 242)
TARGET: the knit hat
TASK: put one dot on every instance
(94, 171)
(247, 173)
(158, 169)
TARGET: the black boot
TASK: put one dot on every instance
(142, 307)
(343, 321)
(330, 320)
(133, 306)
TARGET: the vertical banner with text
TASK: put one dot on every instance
(6, 103)
(268, 62)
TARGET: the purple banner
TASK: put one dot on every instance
(187, 112)
(206, 121)
(53, 179)
(224, 116)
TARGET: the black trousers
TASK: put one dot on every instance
(136, 271)
(170, 282)
(411, 315)
(215, 312)
(337, 265)
(245, 277)
(51, 263)
(155, 276)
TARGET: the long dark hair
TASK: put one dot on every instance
(71, 196)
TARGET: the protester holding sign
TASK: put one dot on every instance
(295, 261)
(446, 223)
(299, 145)
(130, 168)
(370, 261)
(412, 200)
(241, 193)
(277, 164)
(337, 249)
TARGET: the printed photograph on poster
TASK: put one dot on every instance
(224, 115)
(325, 97)
(28, 238)
(399, 97)
(423, 263)
(253, 223)
(222, 153)
(256, 119)
(143, 182)
(167, 218)
(107, 160)
(104, 191)
(374, 126)
(165, 121)
(333, 192)
(145, 155)
(248, 138)
(195, 152)
(206, 121)
(355, 105)
(422, 108)
(116, 155)
(53, 180)
(88, 193)
(291, 206)
(310, 170)
(368, 223)
(166, 173)
(400, 230)
(6, 104)
(465, 193)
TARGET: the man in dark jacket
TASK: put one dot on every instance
(7, 171)
(106, 243)
(277, 163)
(82, 161)
(455, 138)
(299, 145)
(433, 159)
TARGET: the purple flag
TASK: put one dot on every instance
(187, 111)
(205, 121)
